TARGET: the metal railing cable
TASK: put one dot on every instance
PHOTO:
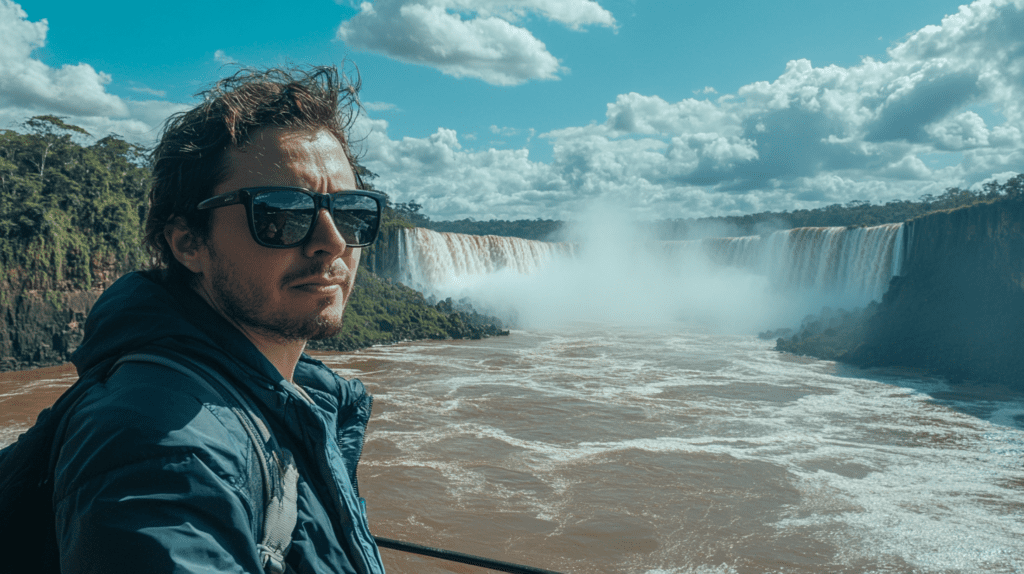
(453, 556)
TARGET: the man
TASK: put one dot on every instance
(256, 219)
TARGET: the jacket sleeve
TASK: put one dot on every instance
(154, 477)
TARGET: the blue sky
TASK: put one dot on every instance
(516, 109)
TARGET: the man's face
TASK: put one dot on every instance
(280, 294)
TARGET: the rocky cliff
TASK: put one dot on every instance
(42, 328)
(958, 306)
(43, 314)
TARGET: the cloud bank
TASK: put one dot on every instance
(29, 87)
(945, 109)
(480, 39)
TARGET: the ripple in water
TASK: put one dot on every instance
(678, 451)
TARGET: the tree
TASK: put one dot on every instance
(52, 131)
(67, 211)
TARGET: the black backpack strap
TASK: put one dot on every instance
(277, 465)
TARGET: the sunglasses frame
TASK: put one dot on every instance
(320, 201)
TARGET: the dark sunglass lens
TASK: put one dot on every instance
(357, 218)
(282, 217)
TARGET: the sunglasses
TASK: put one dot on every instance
(282, 217)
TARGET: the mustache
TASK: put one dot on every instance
(320, 269)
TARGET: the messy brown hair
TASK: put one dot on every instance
(191, 158)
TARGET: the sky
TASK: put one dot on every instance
(537, 109)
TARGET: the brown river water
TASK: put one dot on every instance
(665, 450)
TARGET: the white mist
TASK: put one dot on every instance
(613, 271)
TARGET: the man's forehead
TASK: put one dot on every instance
(278, 140)
(288, 156)
(274, 150)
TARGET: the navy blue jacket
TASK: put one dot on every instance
(156, 474)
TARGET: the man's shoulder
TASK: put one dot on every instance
(145, 412)
(152, 391)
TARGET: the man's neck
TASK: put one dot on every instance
(282, 354)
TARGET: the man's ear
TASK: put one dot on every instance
(185, 245)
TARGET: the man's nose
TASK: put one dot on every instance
(325, 238)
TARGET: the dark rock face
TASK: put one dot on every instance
(829, 335)
(466, 323)
(958, 308)
(42, 328)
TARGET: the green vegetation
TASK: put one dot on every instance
(854, 214)
(535, 229)
(70, 215)
(383, 312)
(380, 256)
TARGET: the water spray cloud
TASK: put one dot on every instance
(614, 271)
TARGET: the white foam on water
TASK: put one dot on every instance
(32, 387)
(10, 434)
(886, 469)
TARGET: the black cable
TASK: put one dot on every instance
(460, 557)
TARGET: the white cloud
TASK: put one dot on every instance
(946, 108)
(149, 91)
(379, 106)
(468, 38)
(28, 87)
(576, 14)
(27, 83)
(965, 131)
(222, 58)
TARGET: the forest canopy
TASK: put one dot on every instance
(70, 213)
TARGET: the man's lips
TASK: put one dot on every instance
(318, 286)
(322, 279)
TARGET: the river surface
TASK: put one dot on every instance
(670, 450)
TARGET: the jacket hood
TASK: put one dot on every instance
(143, 308)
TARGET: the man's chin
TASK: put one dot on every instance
(326, 327)
(326, 332)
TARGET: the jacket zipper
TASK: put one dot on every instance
(359, 454)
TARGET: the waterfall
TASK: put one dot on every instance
(768, 280)
(431, 261)
(853, 263)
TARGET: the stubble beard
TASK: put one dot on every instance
(244, 304)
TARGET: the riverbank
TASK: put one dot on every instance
(42, 329)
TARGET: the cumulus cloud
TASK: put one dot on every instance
(469, 38)
(29, 84)
(945, 108)
(78, 92)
